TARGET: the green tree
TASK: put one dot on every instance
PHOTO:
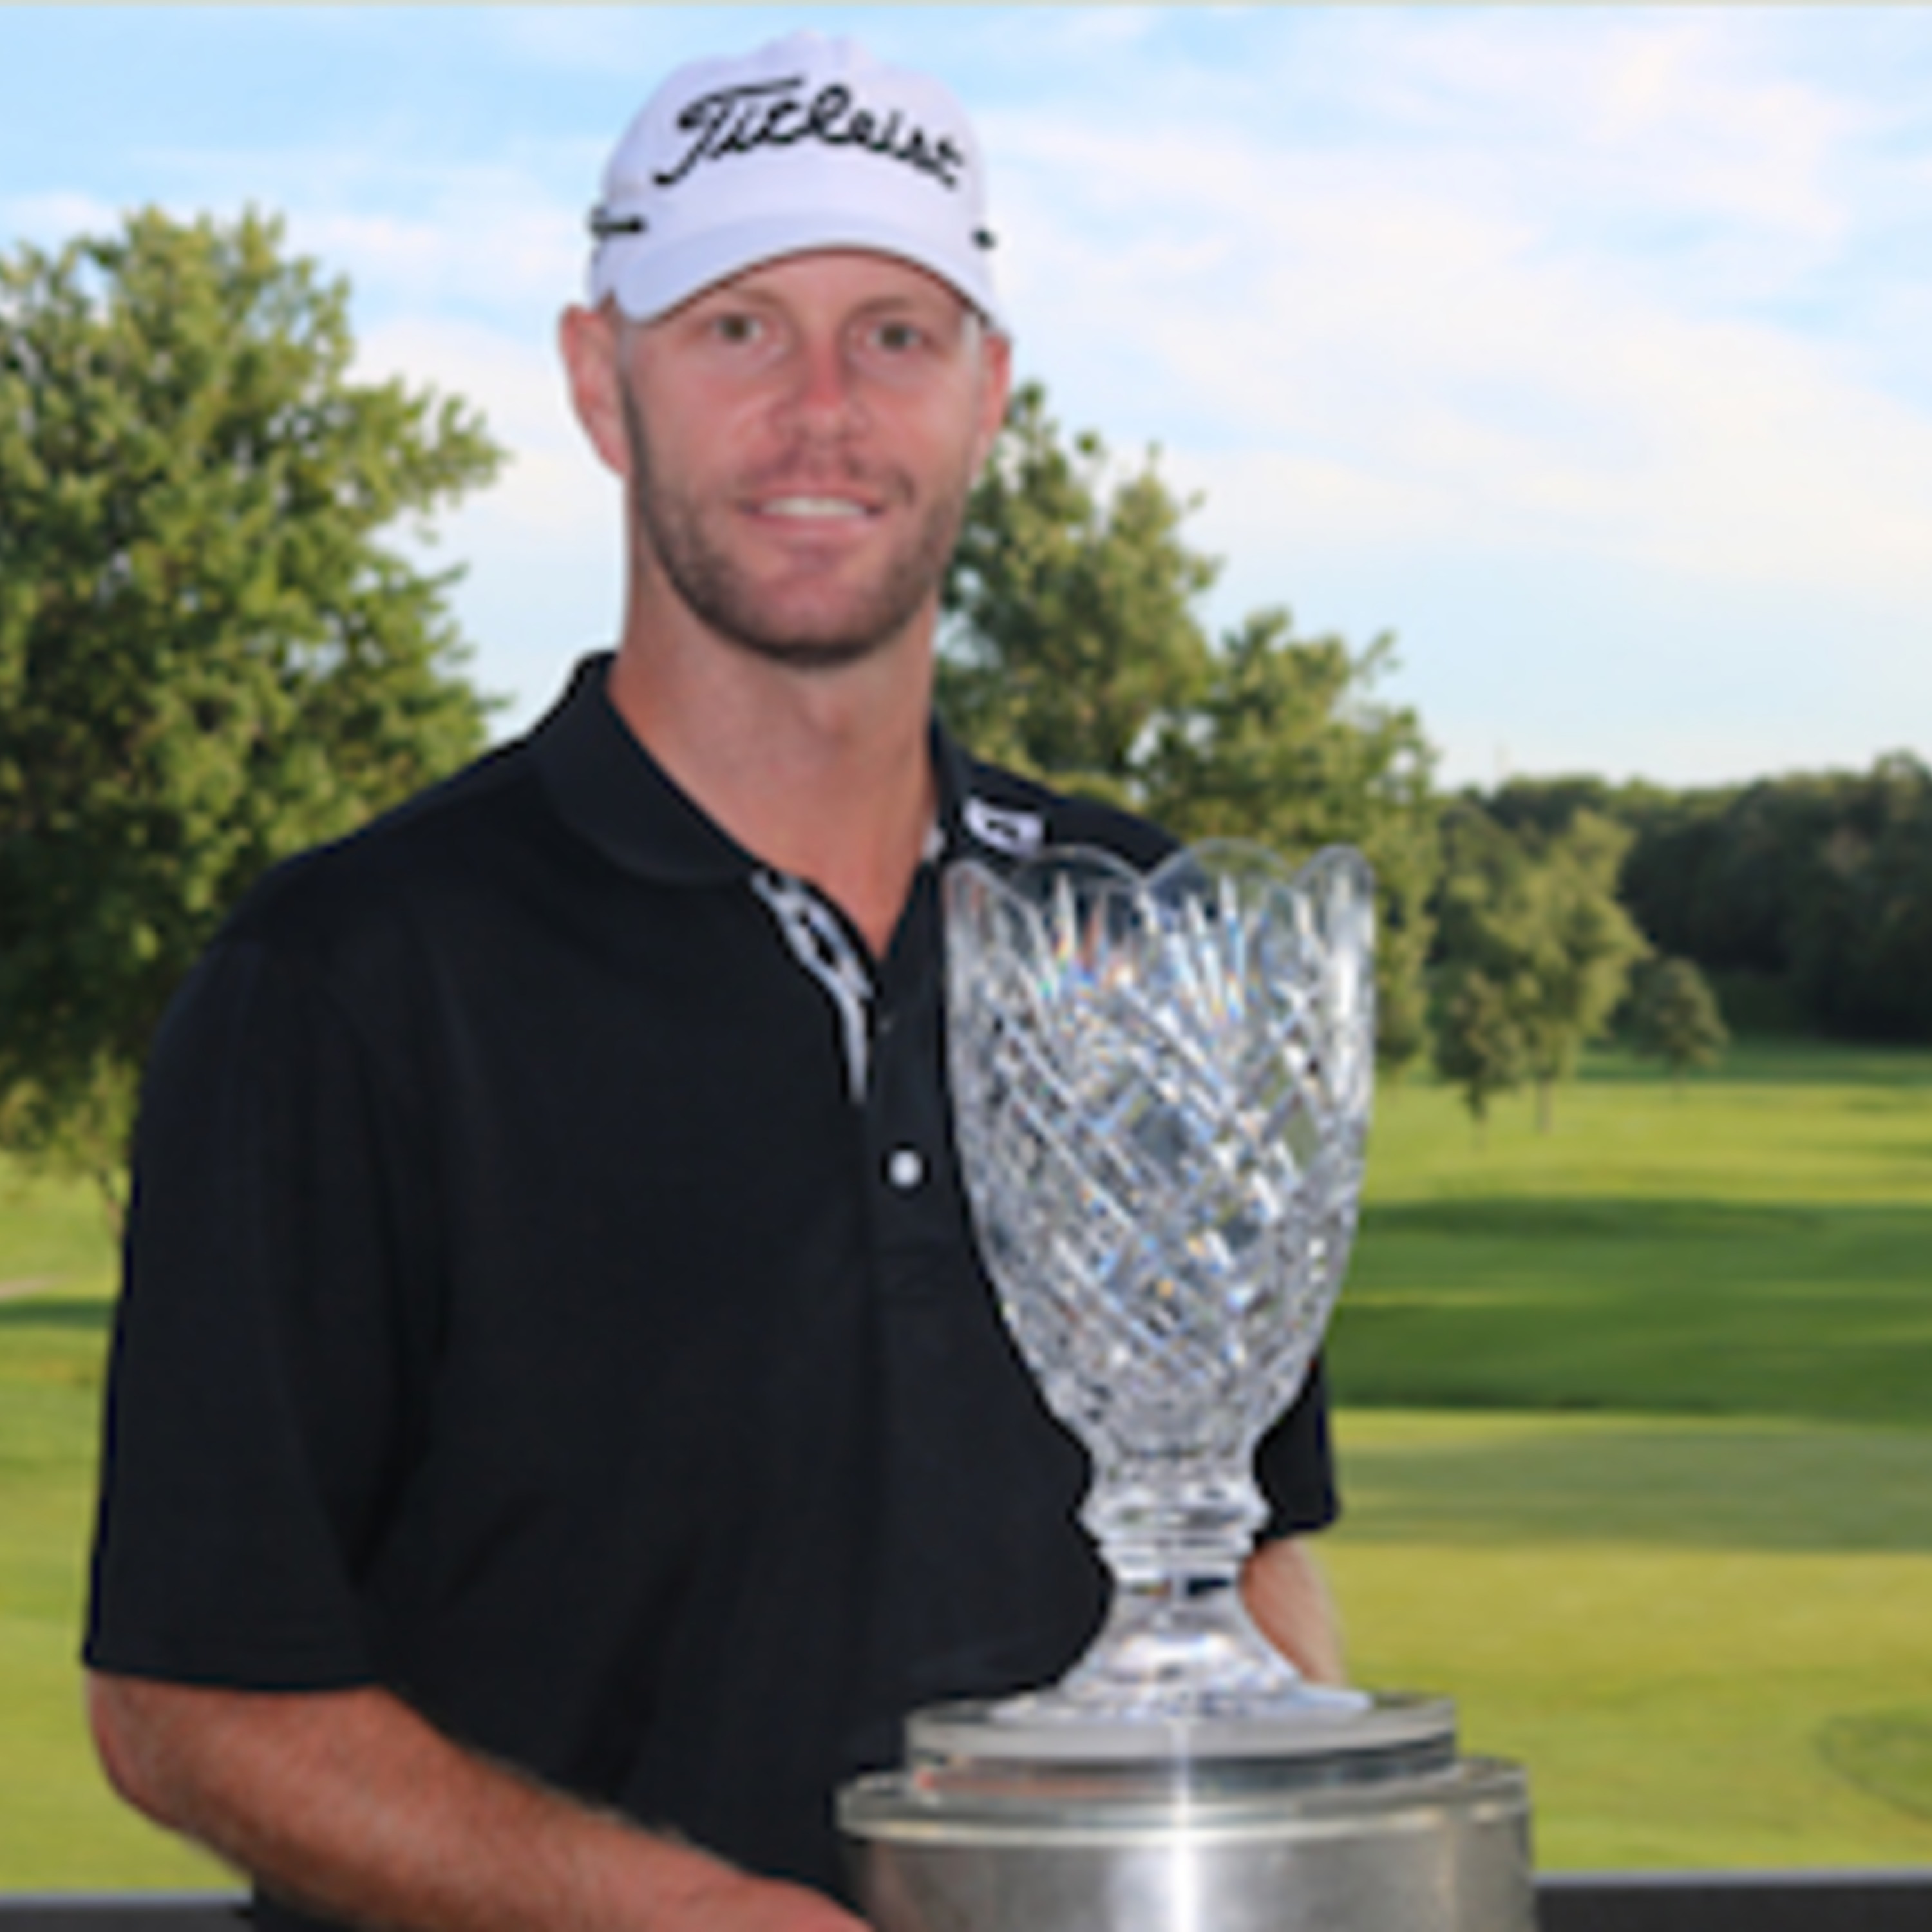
(1479, 979)
(1814, 887)
(207, 657)
(1286, 743)
(1859, 910)
(1071, 631)
(1535, 913)
(1073, 650)
(1675, 1017)
(1477, 1045)
(1583, 946)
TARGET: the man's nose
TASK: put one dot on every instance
(825, 395)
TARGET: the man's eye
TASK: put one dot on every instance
(736, 329)
(897, 337)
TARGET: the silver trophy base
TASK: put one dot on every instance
(1361, 1822)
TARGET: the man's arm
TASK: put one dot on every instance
(348, 1804)
(1287, 1595)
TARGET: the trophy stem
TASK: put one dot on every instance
(1178, 1643)
(1173, 1650)
(1178, 1639)
(1173, 1531)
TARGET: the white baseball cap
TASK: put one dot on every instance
(806, 143)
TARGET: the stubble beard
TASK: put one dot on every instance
(670, 527)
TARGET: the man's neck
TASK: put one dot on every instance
(825, 774)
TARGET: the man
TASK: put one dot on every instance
(559, 1426)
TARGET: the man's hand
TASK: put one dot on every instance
(731, 1901)
(1287, 1596)
(348, 1804)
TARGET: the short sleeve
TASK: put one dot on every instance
(1295, 1466)
(255, 1424)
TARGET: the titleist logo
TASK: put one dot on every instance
(774, 114)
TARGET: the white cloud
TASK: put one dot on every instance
(1380, 351)
(50, 219)
(518, 386)
(640, 42)
(540, 547)
(1688, 113)
(476, 244)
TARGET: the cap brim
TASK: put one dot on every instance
(649, 279)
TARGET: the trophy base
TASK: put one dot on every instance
(1346, 1821)
(1171, 1663)
(1019, 1737)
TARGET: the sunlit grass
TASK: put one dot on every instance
(1710, 1643)
(1748, 1245)
(59, 1829)
(1782, 1122)
(1686, 1575)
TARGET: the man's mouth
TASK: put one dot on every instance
(806, 509)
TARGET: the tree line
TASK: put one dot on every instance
(1809, 896)
(211, 654)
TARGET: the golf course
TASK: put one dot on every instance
(1634, 1428)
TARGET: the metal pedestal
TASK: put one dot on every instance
(1366, 1821)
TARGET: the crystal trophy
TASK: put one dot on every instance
(1161, 1087)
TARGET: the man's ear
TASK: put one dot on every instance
(996, 352)
(591, 342)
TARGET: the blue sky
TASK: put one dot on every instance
(1587, 350)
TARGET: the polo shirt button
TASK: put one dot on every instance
(905, 1168)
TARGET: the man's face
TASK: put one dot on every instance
(801, 440)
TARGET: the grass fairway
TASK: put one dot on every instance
(58, 1828)
(1710, 1641)
(1636, 1442)
(1635, 1436)
(1760, 1244)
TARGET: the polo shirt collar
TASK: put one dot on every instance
(974, 825)
(612, 793)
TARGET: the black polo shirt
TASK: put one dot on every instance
(549, 1293)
